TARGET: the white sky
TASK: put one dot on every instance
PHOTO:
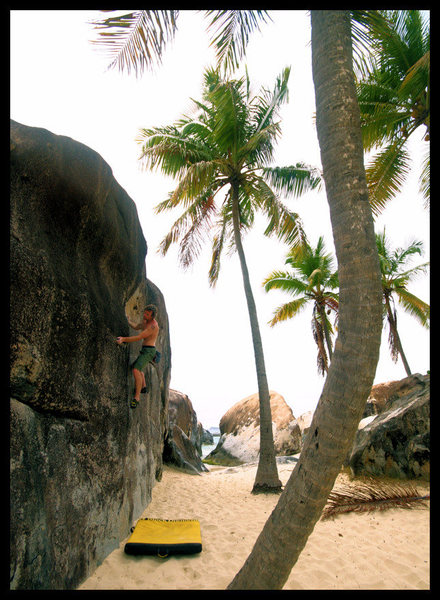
(59, 82)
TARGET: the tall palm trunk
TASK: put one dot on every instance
(266, 479)
(395, 336)
(356, 350)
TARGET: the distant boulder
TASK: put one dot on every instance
(240, 431)
(183, 443)
(206, 436)
(304, 422)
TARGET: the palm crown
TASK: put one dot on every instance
(226, 144)
(395, 279)
(394, 98)
(312, 280)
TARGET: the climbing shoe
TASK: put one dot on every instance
(134, 403)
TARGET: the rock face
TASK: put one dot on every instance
(240, 432)
(183, 444)
(383, 394)
(206, 436)
(304, 422)
(395, 443)
(82, 463)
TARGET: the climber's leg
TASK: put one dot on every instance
(138, 380)
(144, 384)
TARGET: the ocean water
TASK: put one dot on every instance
(207, 448)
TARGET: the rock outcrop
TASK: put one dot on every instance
(304, 422)
(183, 443)
(395, 442)
(383, 394)
(206, 436)
(82, 463)
(240, 431)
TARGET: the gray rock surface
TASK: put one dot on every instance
(183, 443)
(396, 443)
(82, 463)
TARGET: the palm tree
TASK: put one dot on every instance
(357, 347)
(395, 279)
(224, 146)
(394, 98)
(312, 280)
(356, 352)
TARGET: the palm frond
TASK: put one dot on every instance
(288, 310)
(232, 29)
(425, 178)
(170, 150)
(293, 180)
(364, 24)
(222, 237)
(192, 224)
(382, 115)
(281, 280)
(414, 306)
(217, 248)
(231, 114)
(331, 301)
(198, 178)
(401, 255)
(258, 150)
(402, 278)
(267, 104)
(137, 39)
(386, 173)
(372, 495)
(191, 243)
(417, 77)
(285, 224)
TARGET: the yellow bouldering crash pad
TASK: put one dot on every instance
(163, 537)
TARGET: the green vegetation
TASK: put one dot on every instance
(395, 279)
(394, 97)
(311, 281)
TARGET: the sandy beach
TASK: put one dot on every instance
(380, 550)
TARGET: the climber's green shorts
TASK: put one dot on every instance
(146, 355)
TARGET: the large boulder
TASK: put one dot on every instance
(183, 443)
(395, 443)
(240, 431)
(82, 463)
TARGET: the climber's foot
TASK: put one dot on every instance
(134, 403)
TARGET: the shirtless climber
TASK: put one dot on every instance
(149, 332)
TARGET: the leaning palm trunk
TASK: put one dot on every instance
(356, 350)
(266, 479)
